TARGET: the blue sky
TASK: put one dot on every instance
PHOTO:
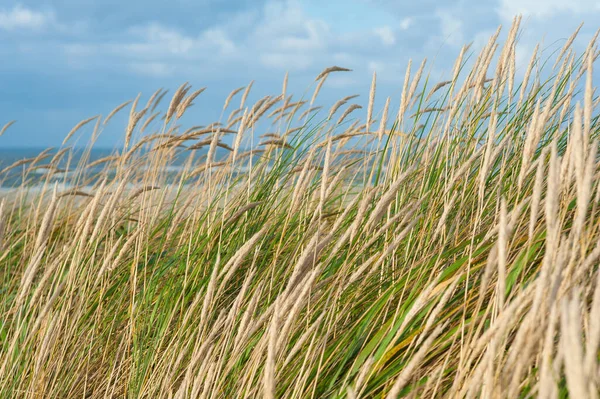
(63, 61)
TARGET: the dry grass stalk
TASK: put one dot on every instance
(187, 102)
(267, 105)
(341, 137)
(142, 190)
(329, 70)
(177, 98)
(230, 97)
(511, 73)
(270, 135)
(77, 127)
(233, 114)
(588, 102)
(281, 109)
(335, 107)
(567, 45)
(317, 90)
(502, 254)
(245, 94)
(283, 94)
(148, 121)
(406, 373)
(74, 192)
(242, 210)
(430, 274)
(257, 105)
(204, 167)
(415, 82)
(233, 122)
(571, 344)
(6, 126)
(531, 141)
(347, 112)
(371, 101)
(293, 130)
(593, 335)
(488, 157)
(213, 147)
(152, 98)
(115, 111)
(437, 87)
(325, 175)
(269, 377)
(386, 199)
(134, 118)
(428, 110)
(309, 110)
(527, 75)
(276, 143)
(384, 117)
(404, 97)
(158, 100)
(240, 134)
(209, 141)
(3, 222)
(537, 195)
(59, 155)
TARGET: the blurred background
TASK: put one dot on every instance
(64, 61)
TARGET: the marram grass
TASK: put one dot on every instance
(453, 255)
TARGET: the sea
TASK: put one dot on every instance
(68, 177)
(16, 177)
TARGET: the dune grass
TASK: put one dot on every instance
(453, 255)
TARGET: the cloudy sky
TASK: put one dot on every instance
(63, 61)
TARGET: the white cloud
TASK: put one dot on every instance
(219, 38)
(311, 40)
(280, 36)
(386, 34)
(285, 26)
(285, 37)
(406, 23)
(451, 27)
(20, 17)
(155, 50)
(376, 66)
(158, 41)
(161, 38)
(545, 8)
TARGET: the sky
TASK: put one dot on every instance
(64, 61)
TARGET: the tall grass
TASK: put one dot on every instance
(453, 255)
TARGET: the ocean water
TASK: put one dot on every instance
(69, 176)
(68, 165)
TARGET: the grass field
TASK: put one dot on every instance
(452, 255)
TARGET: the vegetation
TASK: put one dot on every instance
(453, 255)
